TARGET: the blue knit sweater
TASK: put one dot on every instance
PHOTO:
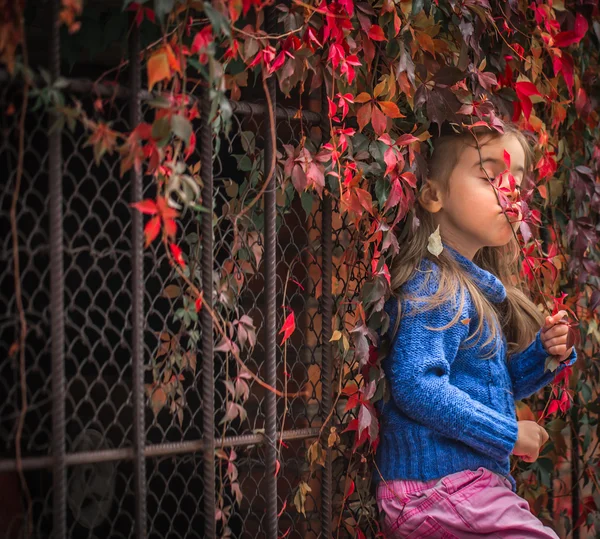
(450, 410)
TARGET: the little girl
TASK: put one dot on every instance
(465, 342)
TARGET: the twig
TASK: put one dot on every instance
(18, 292)
(272, 164)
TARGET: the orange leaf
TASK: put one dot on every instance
(174, 64)
(152, 229)
(288, 327)
(363, 97)
(426, 42)
(158, 68)
(390, 109)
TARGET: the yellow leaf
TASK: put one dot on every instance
(434, 244)
(380, 88)
(158, 68)
(337, 335)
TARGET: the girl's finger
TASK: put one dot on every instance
(556, 331)
(553, 320)
(556, 341)
(559, 350)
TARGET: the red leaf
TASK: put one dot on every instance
(364, 115)
(198, 304)
(177, 254)
(147, 206)
(376, 33)
(526, 88)
(288, 327)
(394, 197)
(351, 488)
(409, 178)
(552, 408)
(366, 201)
(570, 37)
(404, 140)
(332, 107)
(507, 159)
(170, 227)
(378, 120)
(390, 160)
(152, 229)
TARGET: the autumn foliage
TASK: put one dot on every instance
(392, 73)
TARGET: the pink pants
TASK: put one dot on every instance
(463, 505)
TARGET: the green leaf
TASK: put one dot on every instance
(182, 127)
(586, 393)
(248, 139)
(161, 129)
(244, 163)
(307, 199)
(382, 191)
(163, 7)
(551, 363)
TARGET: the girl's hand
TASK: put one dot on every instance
(555, 335)
(530, 439)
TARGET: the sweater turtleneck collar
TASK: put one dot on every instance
(489, 284)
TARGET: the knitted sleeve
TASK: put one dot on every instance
(418, 368)
(527, 369)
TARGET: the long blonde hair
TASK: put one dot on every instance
(517, 317)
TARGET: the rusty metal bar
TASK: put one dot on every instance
(137, 283)
(208, 366)
(326, 332)
(57, 295)
(158, 450)
(270, 306)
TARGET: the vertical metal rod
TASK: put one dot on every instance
(137, 283)
(57, 293)
(326, 332)
(270, 309)
(208, 367)
(575, 497)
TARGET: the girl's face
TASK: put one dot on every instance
(471, 217)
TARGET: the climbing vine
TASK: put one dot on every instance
(393, 72)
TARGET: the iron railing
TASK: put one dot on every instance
(98, 462)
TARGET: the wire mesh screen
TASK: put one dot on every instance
(97, 230)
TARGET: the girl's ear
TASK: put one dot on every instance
(430, 197)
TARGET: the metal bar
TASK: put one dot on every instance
(270, 307)
(158, 450)
(575, 493)
(326, 332)
(208, 367)
(240, 108)
(57, 294)
(245, 108)
(137, 283)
